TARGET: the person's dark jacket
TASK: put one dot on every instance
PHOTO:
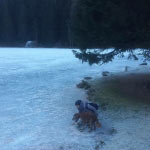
(87, 106)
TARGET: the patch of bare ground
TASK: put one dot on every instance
(134, 87)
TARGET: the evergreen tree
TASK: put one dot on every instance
(120, 25)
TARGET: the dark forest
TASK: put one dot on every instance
(45, 21)
(76, 23)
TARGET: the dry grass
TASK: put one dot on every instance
(135, 85)
(131, 87)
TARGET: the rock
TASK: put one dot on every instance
(84, 85)
(97, 147)
(112, 131)
(105, 73)
(31, 44)
(102, 143)
(88, 78)
(144, 63)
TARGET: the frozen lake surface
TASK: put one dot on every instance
(37, 95)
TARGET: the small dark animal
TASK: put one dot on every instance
(88, 118)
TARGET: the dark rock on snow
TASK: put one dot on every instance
(83, 84)
(144, 63)
(105, 73)
(112, 131)
(88, 78)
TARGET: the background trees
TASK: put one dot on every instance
(120, 25)
(43, 20)
(112, 23)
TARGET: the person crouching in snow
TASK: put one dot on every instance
(84, 106)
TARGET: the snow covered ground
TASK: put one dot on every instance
(37, 95)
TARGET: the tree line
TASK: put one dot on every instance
(76, 23)
(45, 21)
